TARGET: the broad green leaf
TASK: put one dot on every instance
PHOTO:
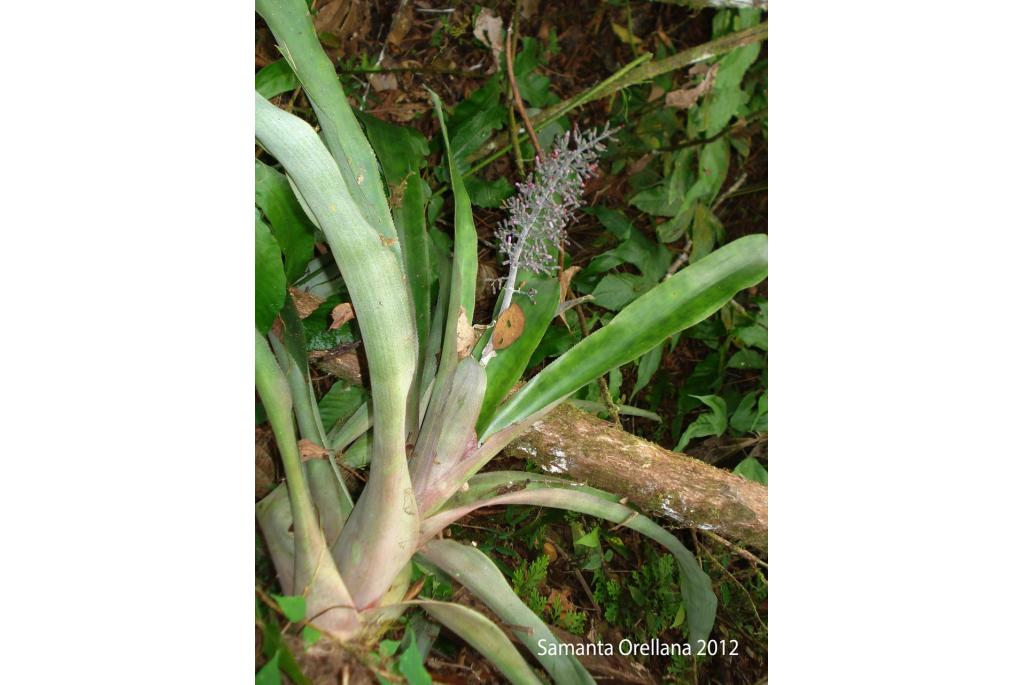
(614, 221)
(754, 335)
(489, 194)
(651, 258)
(292, 26)
(340, 402)
(615, 291)
(706, 230)
(673, 229)
(292, 228)
(270, 673)
(484, 637)
(478, 573)
(271, 286)
(462, 296)
(718, 412)
(534, 87)
(743, 418)
(720, 105)
(646, 368)
(472, 122)
(557, 340)
(708, 423)
(507, 365)
(712, 168)
(376, 283)
(588, 540)
(751, 469)
(275, 78)
(483, 490)
(310, 635)
(388, 647)
(657, 201)
(410, 665)
(294, 607)
(403, 152)
(691, 295)
(746, 359)
(761, 422)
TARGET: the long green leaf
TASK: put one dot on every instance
(508, 364)
(481, 633)
(378, 539)
(465, 230)
(403, 152)
(448, 428)
(679, 302)
(271, 285)
(473, 569)
(292, 26)
(292, 228)
(700, 600)
(315, 575)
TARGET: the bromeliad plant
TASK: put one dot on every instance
(438, 411)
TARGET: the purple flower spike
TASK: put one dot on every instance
(538, 214)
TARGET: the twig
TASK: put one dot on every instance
(637, 71)
(724, 196)
(753, 604)
(510, 65)
(517, 151)
(735, 548)
(586, 589)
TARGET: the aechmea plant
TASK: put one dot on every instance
(436, 415)
(544, 204)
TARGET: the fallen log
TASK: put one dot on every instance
(582, 447)
(585, 448)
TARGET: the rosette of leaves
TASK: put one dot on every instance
(436, 415)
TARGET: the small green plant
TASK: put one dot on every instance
(528, 581)
(437, 412)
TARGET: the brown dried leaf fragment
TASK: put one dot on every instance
(563, 280)
(341, 315)
(684, 98)
(305, 303)
(309, 450)
(509, 327)
(465, 336)
(489, 31)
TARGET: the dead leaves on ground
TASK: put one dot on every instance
(684, 98)
(341, 315)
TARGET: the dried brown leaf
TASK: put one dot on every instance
(305, 303)
(341, 315)
(563, 281)
(489, 31)
(310, 450)
(266, 472)
(508, 327)
(400, 25)
(381, 82)
(465, 336)
(656, 92)
(684, 98)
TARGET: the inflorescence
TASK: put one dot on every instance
(539, 212)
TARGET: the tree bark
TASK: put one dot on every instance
(582, 447)
(585, 448)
